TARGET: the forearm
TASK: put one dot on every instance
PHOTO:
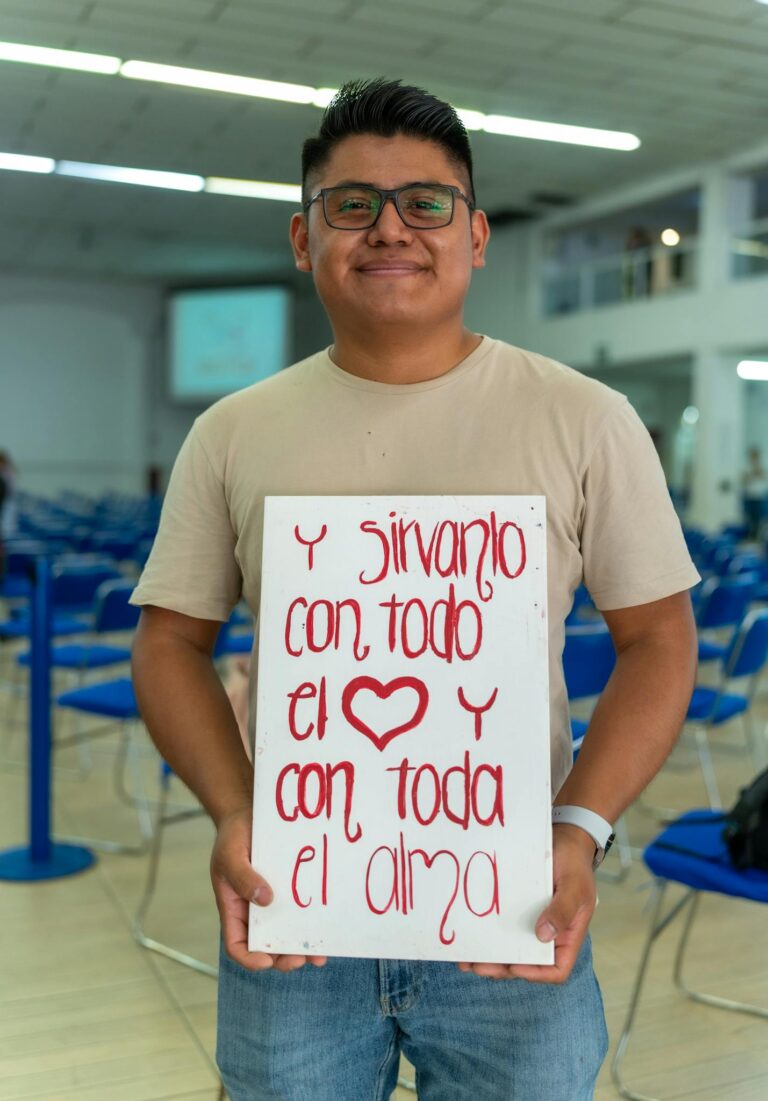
(634, 726)
(190, 720)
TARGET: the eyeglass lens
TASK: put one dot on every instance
(358, 207)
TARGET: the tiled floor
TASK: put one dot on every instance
(87, 1015)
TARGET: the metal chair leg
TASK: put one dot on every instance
(164, 819)
(126, 756)
(708, 769)
(657, 926)
(696, 995)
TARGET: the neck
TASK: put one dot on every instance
(402, 357)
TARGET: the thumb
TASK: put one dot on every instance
(231, 865)
(562, 911)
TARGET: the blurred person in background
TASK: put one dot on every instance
(7, 505)
(755, 490)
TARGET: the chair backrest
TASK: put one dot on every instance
(112, 610)
(723, 602)
(77, 588)
(588, 660)
(748, 652)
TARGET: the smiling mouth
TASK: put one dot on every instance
(390, 269)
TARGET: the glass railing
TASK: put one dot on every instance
(625, 277)
(749, 250)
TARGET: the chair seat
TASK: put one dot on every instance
(13, 588)
(703, 700)
(75, 656)
(705, 863)
(711, 651)
(114, 699)
(239, 644)
(61, 624)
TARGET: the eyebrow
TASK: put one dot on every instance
(364, 183)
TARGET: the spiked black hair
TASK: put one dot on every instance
(387, 108)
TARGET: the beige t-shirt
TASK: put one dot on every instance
(503, 421)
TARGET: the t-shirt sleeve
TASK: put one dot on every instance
(632, 545)
(192, 568)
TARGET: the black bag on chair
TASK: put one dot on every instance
(746, 826)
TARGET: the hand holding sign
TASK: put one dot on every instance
(401, 803)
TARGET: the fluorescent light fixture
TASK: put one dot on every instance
(323, 96)
(219, 82)
(144, 177)
(755, 370)
(556, 131)
(301, 93)
(473, 120)
(254, 189)
(59, 59)
(18, 162)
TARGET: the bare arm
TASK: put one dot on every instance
(185, 707)
(632, 731)
(640, 713)
(190, 719)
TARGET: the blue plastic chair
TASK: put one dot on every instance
(115, 702)
(690, 852)
(73, 589)
(589, 657)
(588, 660)
(722, 604)
(709, 708)
(112, 614)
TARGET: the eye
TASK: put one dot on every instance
(355, 204)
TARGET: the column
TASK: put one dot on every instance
(719, 456)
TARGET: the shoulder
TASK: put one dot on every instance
(567, 396)
(255, 407)
(542, 370)
(276, 388)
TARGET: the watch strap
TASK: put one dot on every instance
(600, 830)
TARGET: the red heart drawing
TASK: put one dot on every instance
(384, 691)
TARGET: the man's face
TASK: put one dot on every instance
(390, 273)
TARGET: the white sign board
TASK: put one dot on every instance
(402, 780)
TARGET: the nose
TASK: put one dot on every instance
(390, 227)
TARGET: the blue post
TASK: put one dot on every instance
(42, 858)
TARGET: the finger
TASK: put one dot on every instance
(317, 961)
(289, 963)
(489, 970)
(234, 931)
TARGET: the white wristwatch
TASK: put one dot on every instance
(598, 828)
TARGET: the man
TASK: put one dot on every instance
(407, 400)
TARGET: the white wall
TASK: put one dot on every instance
(73, 361)
(83, 392)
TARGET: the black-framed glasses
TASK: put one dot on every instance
(359, 206)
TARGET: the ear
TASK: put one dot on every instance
(481, 233)
(299, 234)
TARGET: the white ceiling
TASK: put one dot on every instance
(689, 77)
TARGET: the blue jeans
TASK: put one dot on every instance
(335, 1033)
